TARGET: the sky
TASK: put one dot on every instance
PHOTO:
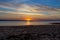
(35, 9)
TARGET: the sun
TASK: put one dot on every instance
(28, 18)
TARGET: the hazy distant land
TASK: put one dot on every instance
(56, 23)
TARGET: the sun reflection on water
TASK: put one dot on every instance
(28, 20)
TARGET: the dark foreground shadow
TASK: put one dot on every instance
(33, 36)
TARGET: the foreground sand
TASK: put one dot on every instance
(6, 31)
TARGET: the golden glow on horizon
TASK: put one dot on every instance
(28, 18)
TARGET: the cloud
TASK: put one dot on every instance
(19, 11)
(26, 7)
(18, 1)
(13, 1)
(36, 8)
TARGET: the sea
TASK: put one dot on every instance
(22, 23)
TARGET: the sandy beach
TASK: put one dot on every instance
(6, 31)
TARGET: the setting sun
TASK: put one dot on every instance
(28, 18)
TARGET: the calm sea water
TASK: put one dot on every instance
(20, 23)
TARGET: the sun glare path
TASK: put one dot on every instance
(28, 19)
